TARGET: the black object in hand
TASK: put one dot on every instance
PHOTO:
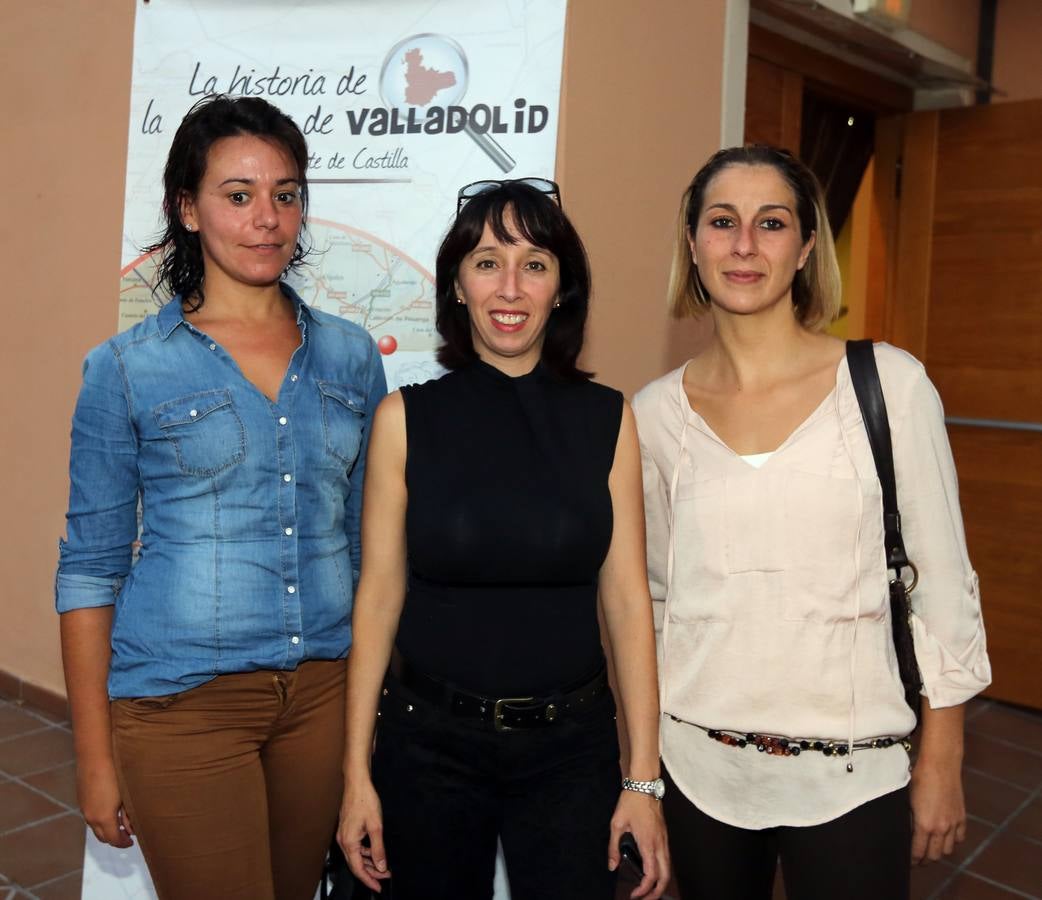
(630, 853)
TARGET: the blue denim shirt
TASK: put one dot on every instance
(250, 509)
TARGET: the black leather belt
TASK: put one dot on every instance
(500, 713)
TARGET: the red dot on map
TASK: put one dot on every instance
(387, 345)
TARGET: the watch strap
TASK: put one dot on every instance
(654, 788)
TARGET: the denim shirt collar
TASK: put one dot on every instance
(172, 313)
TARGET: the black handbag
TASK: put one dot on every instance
(864, 375)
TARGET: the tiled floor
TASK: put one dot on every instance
(41, 835)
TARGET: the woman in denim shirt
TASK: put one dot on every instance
(237, 419)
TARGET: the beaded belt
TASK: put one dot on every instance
(775, 745)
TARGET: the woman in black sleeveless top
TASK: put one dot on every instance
(515, 484)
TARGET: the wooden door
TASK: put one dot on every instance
(965, 296)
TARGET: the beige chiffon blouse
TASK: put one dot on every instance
(771, 597)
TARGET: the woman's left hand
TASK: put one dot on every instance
(641, 815)
(938, 809)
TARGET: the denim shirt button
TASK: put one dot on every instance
(193, 413)
(290, 589)
(213, 346)
(292, 377)
(287, 477)
(289, 531)
(295, 639)
(283, 420)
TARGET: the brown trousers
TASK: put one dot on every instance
(233, 787)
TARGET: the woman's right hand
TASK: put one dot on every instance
(361, 818)
(98, 793)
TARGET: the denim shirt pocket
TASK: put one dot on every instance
(343, 415)
(206, 431)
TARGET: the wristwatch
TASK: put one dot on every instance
(656, 788)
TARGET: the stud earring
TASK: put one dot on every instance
(460, 300)
(557, 304)
(189, 227)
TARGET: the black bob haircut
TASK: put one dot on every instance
(538, 219)
(180, 270)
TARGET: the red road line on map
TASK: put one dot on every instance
(410, 305)
(350, 229)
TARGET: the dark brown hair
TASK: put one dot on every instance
(541, 222)
(180, 269)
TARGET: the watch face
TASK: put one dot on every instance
(660, 788)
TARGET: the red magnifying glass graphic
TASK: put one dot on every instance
(426, 68)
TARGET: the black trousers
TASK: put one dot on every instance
(449, 789)
(863, 855)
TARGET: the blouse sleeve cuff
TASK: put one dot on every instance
(951, 678)
(84, 591)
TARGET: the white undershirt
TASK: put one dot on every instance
(757, 459)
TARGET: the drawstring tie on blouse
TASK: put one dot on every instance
(851, 719)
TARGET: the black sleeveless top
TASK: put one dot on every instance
(509, 519)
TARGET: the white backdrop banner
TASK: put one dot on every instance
(401, 103)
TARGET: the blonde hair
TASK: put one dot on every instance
(816, 288)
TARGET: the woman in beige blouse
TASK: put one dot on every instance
(765, 552)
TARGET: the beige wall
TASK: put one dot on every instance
(952, 23)
(1018, 29)
(65, 97)
(641, 112)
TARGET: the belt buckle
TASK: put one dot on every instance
(497, 712)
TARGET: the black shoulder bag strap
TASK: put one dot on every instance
(864, 375)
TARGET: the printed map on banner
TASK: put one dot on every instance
(354, 275)
(401, 105)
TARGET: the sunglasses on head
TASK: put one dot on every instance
(476, 188)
